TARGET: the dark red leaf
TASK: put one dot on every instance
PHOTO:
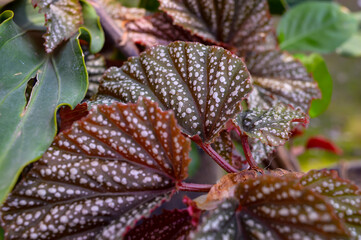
(323, 143)
(68, 116)
(109, 170)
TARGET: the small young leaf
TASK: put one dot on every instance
(242, 24)
(324, 144)
(158, 29)
(271, 126)
(202, 85)
(175, 224)
(344, 196)
(63, 18)
(277, 76)
(112, 167)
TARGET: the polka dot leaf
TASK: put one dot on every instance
(158, 29)
(173, 224)
(63, 18)
(277, 76)
(271, 126)
(203, 85)
(241, 24)
(344, 196)
(109, 170)
(276, 206)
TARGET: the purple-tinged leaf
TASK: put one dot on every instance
(277, 76)
(112, 167)
(218, 224)
(68, 116)
(344, 196)
(271, 126)
(119, 13)
(175, 224)
(203, 85)
(158, 29)
(276, 206)
(242, 24)
(63, 18)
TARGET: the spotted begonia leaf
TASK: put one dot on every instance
(224, 146)
(68, 116)
(218, 224)
(278, 207)
(158, 29)
(242, 24)
(260, 151)
(175, 224)
(63, 18)
(119, 13)
(277, 76)
(117, 163)
(203, 85)
(271, 126)
(344, 196)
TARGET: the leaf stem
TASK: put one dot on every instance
(214, 155)
(127, 47)
(247, 152)
(193, 187)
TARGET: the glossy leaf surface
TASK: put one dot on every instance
(271, 126)
(277, 76)
(111, 168)
(60, 80)
(344, 196)
(202, 85)
(316, 65)
(242, 24)
(63, 18)
(315, 26)
(175, 224)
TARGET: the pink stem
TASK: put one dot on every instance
(247, 152)
(214, 155)
(193, 187)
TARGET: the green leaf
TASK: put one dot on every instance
(279, 77)
(63, 18)
(343, 195)
(243, 25)
(271, 126)
(91, 31)
(352, 47)
(315, 26)
(293, 3)
(196, 160)
(203, 85)
(61, 79)
(316, 65)
(100, 177)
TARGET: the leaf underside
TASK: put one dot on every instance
(175, 224)
(63, 18)
(241, 24)
(271, 126)
(60, 79)
(277, 76)
(202, 85)
(112, 167)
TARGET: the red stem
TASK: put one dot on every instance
(214, 155)
(193, 187)
(247, 152)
